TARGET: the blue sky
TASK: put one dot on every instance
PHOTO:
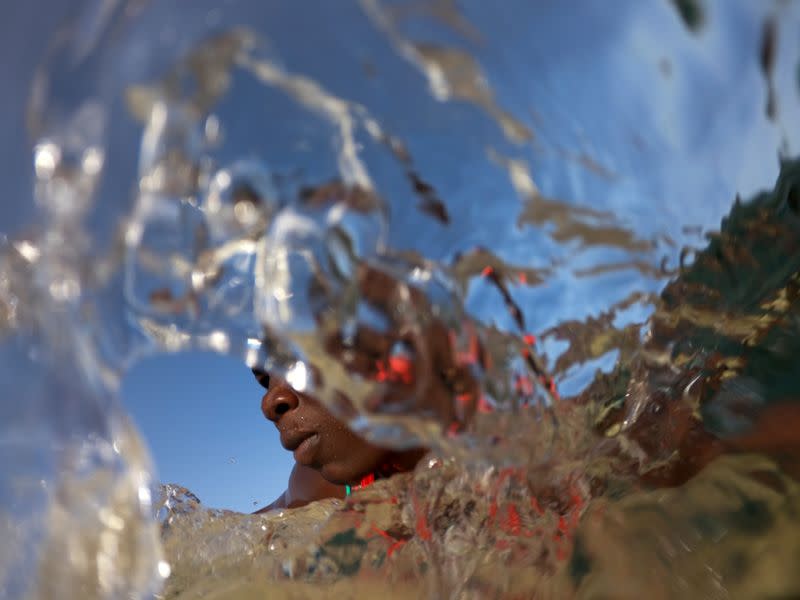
(200, 415)
(701, 126)
(702, 136)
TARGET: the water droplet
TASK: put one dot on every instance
(297, 377)
(164, 570)
(241, 200)
(65, 289)
(219, 341)
(28, 250)
(92, 162)
(47, 157)
(212, 130)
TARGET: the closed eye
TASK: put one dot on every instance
(262, 377)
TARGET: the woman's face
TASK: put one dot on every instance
(315, 437)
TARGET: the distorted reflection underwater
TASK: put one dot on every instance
(558, 249)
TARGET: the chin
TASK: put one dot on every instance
(341, 475)
(333, 475)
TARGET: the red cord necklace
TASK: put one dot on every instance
(365, 481)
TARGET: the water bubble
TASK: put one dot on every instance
(219, 342)
(47, 156)
(92, 161)
(318, 285)
(65, 289)
(169, 156)
(311, 251)
(297, 377)
(212, 130)
(240, 201)
(162, 248)
(69, 161)
(28, 250)
(164, 570)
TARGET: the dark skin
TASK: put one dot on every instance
(774, 434)
(328, 454)
(305, 486)
(322, 442)
(342, 457)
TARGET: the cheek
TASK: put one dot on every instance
(344, 457)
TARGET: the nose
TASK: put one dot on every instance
(279, 400)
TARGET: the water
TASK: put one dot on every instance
(598, 209)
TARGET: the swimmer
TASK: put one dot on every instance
(329, 457)
(332, 460)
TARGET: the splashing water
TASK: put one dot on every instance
(526, 203)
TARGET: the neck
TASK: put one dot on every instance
(400, 462)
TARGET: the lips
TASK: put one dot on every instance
(303, 445)
(291, 440)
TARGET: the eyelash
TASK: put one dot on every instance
(262, 378)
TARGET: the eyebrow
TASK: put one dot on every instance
(262, 377)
